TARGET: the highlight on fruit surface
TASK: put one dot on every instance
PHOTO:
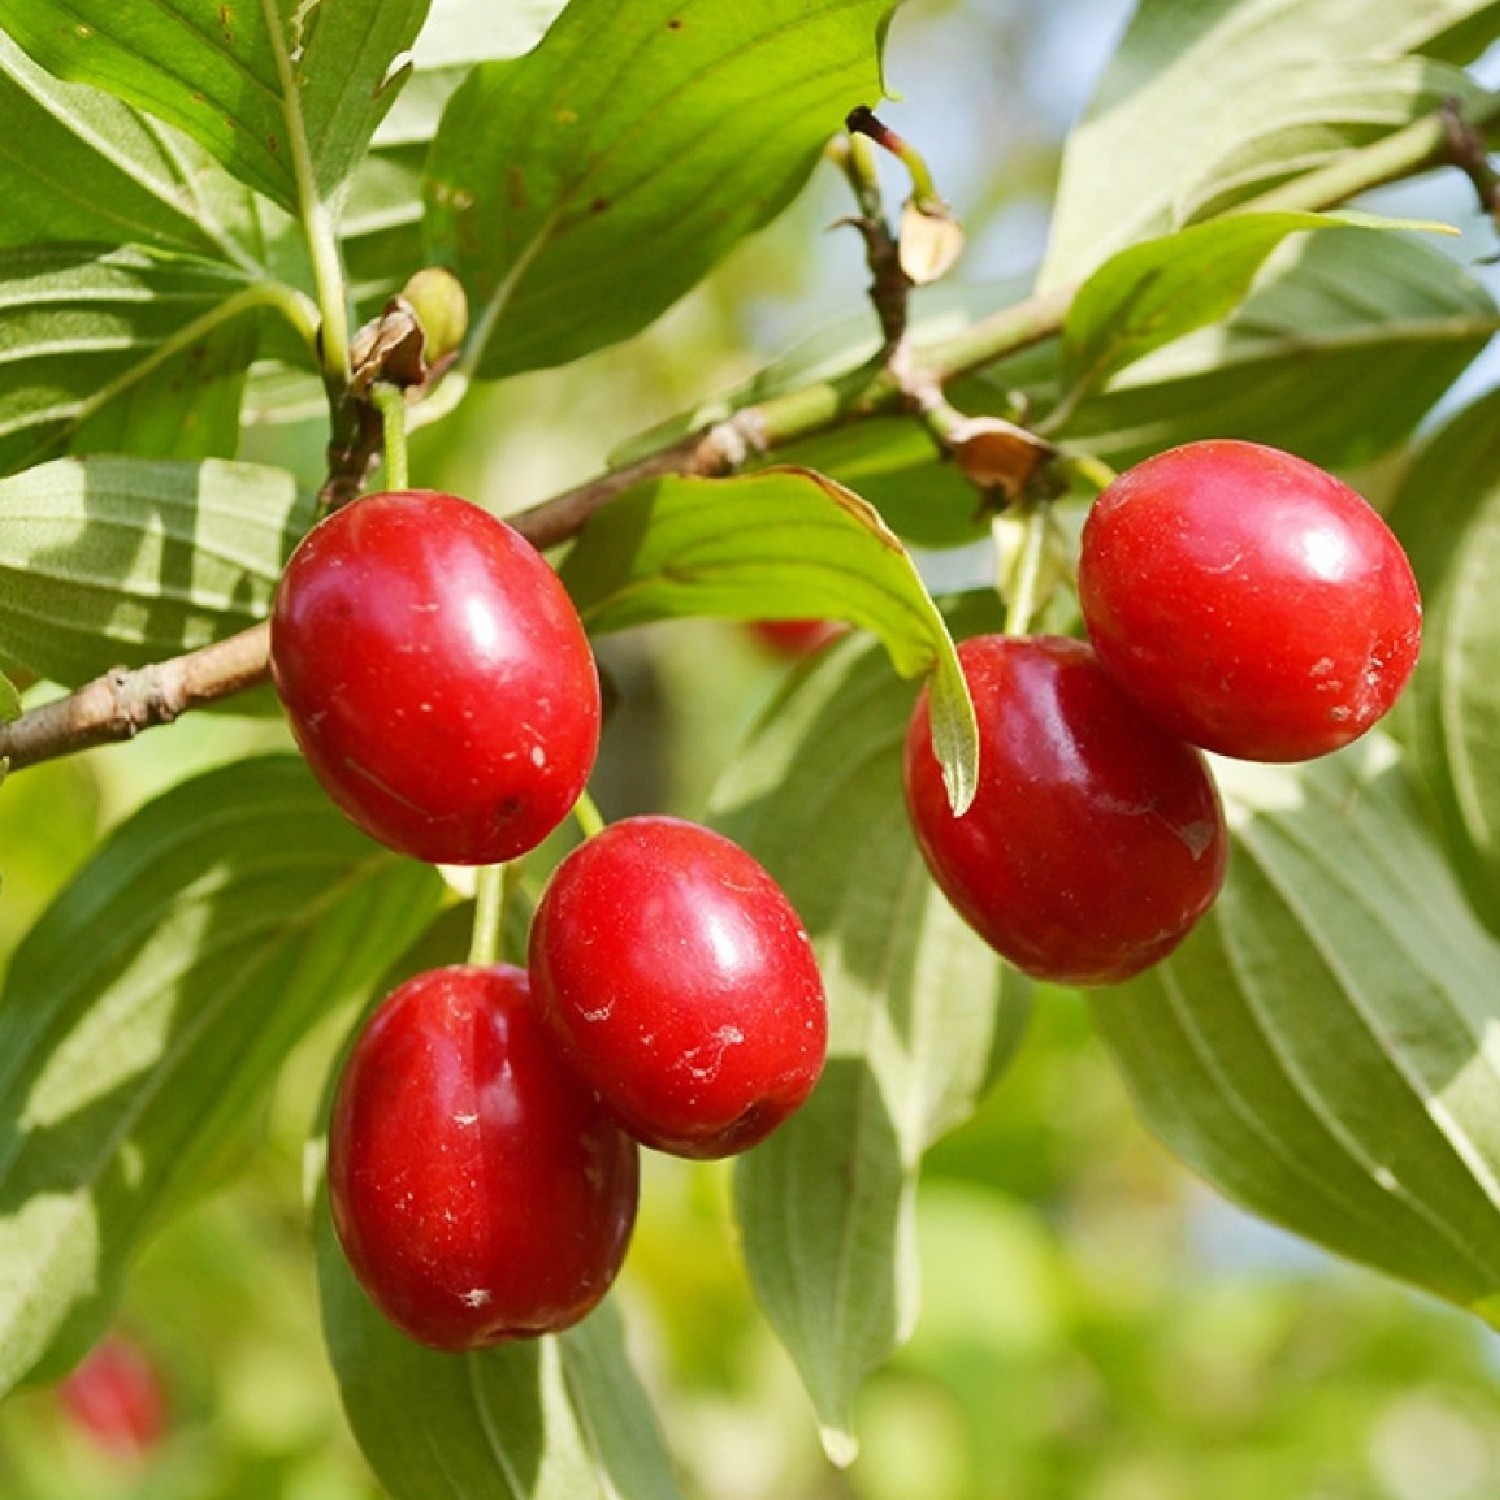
(1096, 840)
(479, 1189)
(436, 677)
(1254, 604)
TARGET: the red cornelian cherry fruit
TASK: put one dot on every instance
(115, 1397)
(795, 638)
(1256, 605)
(1095, 840)
(480, 1191)
(679, 981)
(436, 676)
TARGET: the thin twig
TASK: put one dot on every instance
(118, 705)
(122, 703)
(1470, 154)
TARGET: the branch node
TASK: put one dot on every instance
(1469, 152)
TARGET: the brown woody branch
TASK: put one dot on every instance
(118, 705)
(121, 703)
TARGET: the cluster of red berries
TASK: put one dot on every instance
(483, 1151)
(1237, 599)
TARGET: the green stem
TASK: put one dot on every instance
(590, 819)
(317, 222)
(864, 179)
(1025, 580)
(490, 886)
(1416, 148)
(392, 403)
(862, 122)
(1091, 469)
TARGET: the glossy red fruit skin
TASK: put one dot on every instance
(1255, 604)
(115, 1396)
(679, 981)
(436, 676)
(480, 1191)
(1095, 841)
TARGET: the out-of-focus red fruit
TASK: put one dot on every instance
(115, 1397)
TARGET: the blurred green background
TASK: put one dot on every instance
(1096, 1326)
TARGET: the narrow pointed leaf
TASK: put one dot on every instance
(1156, 292)
(1324, 1047)
(78, 164)
(146, 1015)
(1320, 110)
(114, 561)
(560, 1418)
(582, 189)
(256, 83)
(922, 1017)
(1144, 142)
(782, 544)
(1447, 514)
(91, 335)
(1385, 321)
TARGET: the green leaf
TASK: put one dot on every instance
(582, 189)
(76, 164)
(1321, 1048)
(782, 544)
(146, 1015)
(876, 458)
(561, 1418)
(922, 1017)
(381, 223)
(114, 561)
(94, 337)
(1319, 110)
(1447, 514)
(1144, 141)
(1385, 322)
(1156, 292)
(258, 84)
(10, 701)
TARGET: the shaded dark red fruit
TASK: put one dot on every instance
(116, 1398)
(679, 982)
(1256, 605)
(436, 677)
(1096, 839)
(480, 1190)
(794, 638)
